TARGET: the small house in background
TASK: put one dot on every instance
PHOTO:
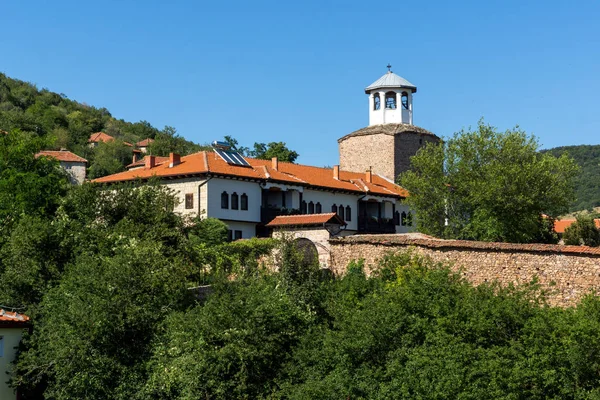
(70, 162)
(317, 228)
(144, 144)
(96, 138)
(12, 325)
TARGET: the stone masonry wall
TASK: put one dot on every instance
(359, 153)
(569, 272)
(406, 145)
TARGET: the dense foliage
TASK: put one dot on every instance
(582, 232)
(587, 190)
(489, 185)
(264, 151)
(65, 123)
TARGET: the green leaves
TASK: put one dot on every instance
(490, 186)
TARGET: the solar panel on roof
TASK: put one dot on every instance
(232, 157)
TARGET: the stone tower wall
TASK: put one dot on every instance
(406, 145)
(358, 153)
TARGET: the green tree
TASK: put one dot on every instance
(109, 158)
(28, 185)
(274, 149)
(169, 141)
(264, 151)
(489, 185)
(582, 232)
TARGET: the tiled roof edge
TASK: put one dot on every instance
(393, 240)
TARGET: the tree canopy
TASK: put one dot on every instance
(264, 151)
(487, 185)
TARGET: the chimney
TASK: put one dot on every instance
(274, 163)
(369, 176)
(336, 172)
(150, 162)
(174, 159)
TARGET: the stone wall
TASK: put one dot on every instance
(318, 235)
(569, 272)
(406, 145)
(359, 153)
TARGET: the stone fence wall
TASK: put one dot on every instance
(569, 272)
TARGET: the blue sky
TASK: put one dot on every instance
(296, 71)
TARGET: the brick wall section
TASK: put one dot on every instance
(318, 235)
(569, 272)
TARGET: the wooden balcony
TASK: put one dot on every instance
(375, 225)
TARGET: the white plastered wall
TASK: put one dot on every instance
(10, 338)
(216, 186)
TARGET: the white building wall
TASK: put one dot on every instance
(75, 170)
(181, 187)
(405, 228)
(248, 228)
(10, 341)
(390, 116)
(216, 186)
(328, 199)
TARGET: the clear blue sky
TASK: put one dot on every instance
(296, 71)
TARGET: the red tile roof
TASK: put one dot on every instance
(302, 175)
(561, 225)
(62, 155)
(100, 137)
(103, 137)
(142, 162)
(11, 317)
(145, 142)
(306, 219)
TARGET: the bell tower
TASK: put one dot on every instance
(390, 100)
(391, 139)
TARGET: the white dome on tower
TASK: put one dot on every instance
(390, 100)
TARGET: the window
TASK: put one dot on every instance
(409, 219)
(376, 102)
(334, 209)
(341, 211)
(348, 213)
(238, 235)
(224, 200)
(396, 218)
(403, 219)
(318, 208)
(234, 201)
(189, 201)
(244, 201)
(303, 207)
(390, 100)
(311, 207)
(1, 346)
(404, 100)
(229, 235)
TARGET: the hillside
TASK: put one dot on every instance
(588, 185)
(66, 123)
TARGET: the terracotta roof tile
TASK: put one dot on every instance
(145, 142)
(103, 137)
(62, 155)
(561, 225)
(12, 317)
(294, 174)
(100, 137)
(305, 219)
(142, 162)
(403, 239)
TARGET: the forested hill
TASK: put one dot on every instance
(66, 123)
(588, 185)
